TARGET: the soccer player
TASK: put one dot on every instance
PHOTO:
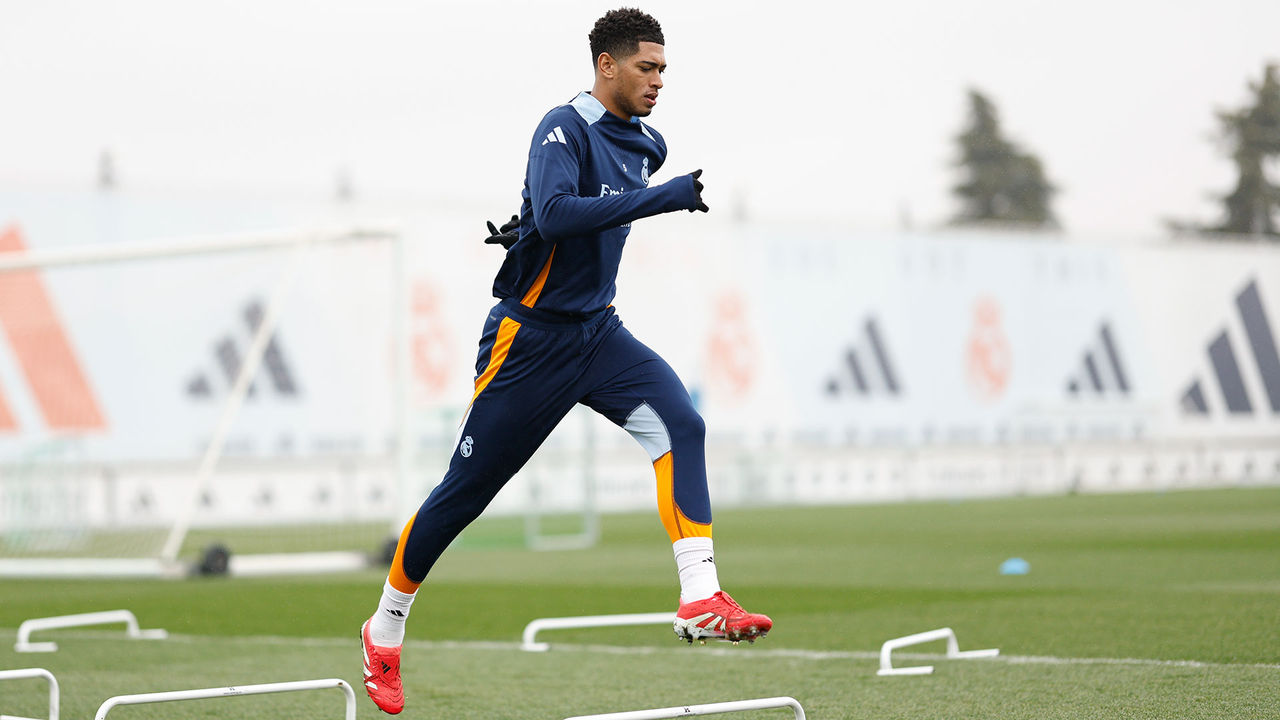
(554, 340)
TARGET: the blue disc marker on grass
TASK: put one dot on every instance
(1015, 566)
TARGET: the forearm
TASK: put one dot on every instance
(565, 214)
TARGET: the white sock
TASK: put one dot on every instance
(386, 627)
(696, 564)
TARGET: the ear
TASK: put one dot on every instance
(606, 65)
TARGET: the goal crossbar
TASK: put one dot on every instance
(178, 247)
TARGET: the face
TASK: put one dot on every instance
(636, 80)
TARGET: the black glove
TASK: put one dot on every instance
(697, 187)
(507, 235)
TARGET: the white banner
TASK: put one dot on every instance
(869, 349)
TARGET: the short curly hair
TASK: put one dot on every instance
(621, 31)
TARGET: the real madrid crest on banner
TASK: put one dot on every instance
(990, 359)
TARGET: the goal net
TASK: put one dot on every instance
(158, 400)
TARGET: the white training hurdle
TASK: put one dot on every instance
(707, 709)
(107, 617)
(207, 693)
(953, 651)
(587, 621)
(34, 673)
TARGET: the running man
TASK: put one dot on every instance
(554, 340)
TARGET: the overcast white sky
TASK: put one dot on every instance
(816, 110)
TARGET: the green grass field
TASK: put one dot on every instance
(1136, 606)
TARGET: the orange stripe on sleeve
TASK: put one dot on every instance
(535, 290)
(396, 577)
(678, 526)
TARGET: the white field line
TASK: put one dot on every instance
(737, 652)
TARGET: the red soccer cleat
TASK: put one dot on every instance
(720, 618)
(382, 674)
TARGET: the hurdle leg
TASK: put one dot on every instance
(587, 621)
(107, 617)
(34, 673)
(953, 651)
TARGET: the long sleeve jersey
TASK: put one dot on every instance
(587, 179)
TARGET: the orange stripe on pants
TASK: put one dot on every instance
(501, 346)
(678, 526)
(396, 577)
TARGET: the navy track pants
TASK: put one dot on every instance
(530, 371)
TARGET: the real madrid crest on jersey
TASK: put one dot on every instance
(644, 171)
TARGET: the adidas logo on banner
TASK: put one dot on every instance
(554, 136)
(1102, 370)
(868, 369)
(227, 354)
(1227, 369)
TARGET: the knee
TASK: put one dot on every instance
(687, 426)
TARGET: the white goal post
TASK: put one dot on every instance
(150, 442)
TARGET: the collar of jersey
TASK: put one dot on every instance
(592, 109)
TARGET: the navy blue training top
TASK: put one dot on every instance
(587, 179)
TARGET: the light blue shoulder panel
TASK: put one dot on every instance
(588, 107)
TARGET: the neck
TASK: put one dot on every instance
(606, 99)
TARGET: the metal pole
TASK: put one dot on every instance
(117, 252)
(587, 621)
(708, 709)
(249, 368)
(207, 693)
(34, 673)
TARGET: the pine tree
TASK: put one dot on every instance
(1252, 135)
(1002, 183)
